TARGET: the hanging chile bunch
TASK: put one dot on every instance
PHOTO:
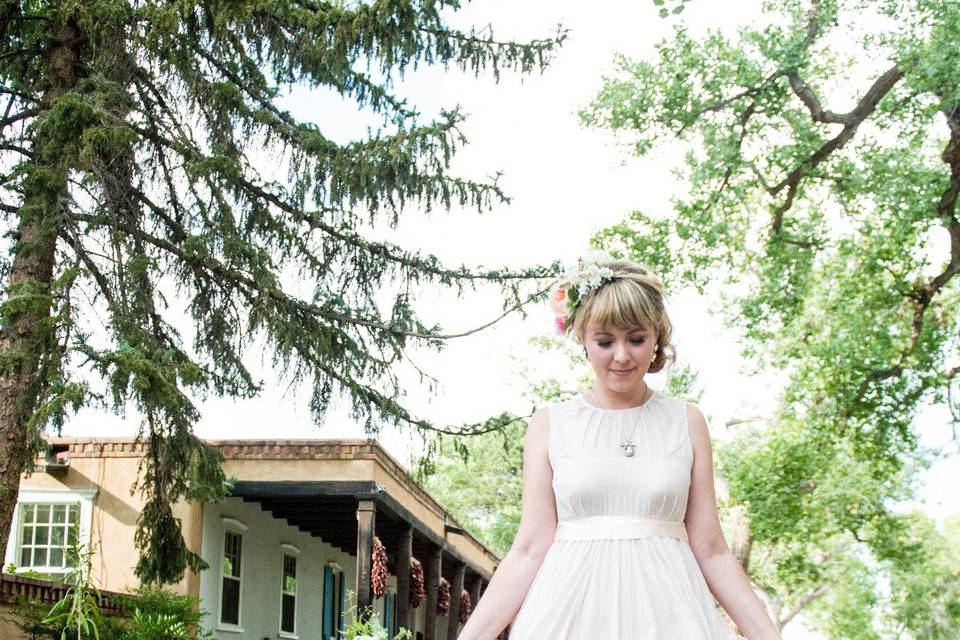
(378, 574)
(443, 597)
(418, 586)
(466, 607)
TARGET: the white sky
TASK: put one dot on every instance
(566, 183)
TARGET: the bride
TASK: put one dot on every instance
(619, 535)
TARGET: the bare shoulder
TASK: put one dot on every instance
(538, 427)
(697, 425)
(695, 417)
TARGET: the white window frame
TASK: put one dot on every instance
(82, 497)
(294, 552)
(231, 525)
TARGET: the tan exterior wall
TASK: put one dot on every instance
(115, 513)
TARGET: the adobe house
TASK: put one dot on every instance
(295, 534)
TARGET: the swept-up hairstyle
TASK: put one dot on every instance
(633, 298)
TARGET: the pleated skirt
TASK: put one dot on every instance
(646, 588)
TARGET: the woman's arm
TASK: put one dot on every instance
(723, 574)
(538, 523)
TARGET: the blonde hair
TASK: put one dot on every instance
(633, 298)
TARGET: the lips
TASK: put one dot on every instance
(623, 371)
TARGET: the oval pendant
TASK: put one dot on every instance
(628, 449)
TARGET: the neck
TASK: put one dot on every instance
(609, 399)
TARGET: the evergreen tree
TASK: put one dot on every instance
(134, 134)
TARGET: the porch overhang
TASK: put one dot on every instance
(327, 509)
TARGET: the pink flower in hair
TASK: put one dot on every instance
(560, 323)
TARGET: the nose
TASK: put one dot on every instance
(620, 352)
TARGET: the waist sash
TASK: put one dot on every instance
(618, 527)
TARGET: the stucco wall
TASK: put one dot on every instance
(114, 517)
(261, 567)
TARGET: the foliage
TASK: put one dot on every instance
(151, 172)
(368, 627)
(77, 613)
(149, 613)
(157, 614)
(483, 492)
(821, 178)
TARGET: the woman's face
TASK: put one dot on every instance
(620, 357)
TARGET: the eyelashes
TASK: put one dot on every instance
(607, 344)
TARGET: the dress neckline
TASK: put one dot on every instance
(583, 401)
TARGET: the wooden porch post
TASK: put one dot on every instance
(432, 578)
(366, 516)
(456, 590)
(404, 553)
(475, 591)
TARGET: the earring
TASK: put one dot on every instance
(654, 356)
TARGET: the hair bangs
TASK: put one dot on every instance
(621, 304)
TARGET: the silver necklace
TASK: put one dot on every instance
(628, 446)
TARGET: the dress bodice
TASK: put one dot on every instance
(592, 476)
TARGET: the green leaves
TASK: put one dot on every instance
(817, 189)
(77, 613)
(666, 10)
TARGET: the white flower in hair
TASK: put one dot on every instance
(591, 277)
(579, 281)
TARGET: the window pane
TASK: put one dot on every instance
(230, 602)
(27, 535)
(25, 558)
(39, 557)
(72, 536)
(42, 535)
(28, 512)
(59, 513)
(289, 583)
(56, 557)
(43, 513)
(287, 615)
(231, 554)
(74, 513)
(57, 536)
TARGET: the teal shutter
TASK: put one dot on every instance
(393, 615)
(328, 619)
(341, 623)
(388, 613)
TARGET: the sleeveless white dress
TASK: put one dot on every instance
(620, 566)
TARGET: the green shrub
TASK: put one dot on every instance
(155, 613)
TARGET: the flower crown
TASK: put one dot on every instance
(578, 282)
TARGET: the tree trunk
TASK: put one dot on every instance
(26, 334)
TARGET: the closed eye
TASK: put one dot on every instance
(607, 344)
